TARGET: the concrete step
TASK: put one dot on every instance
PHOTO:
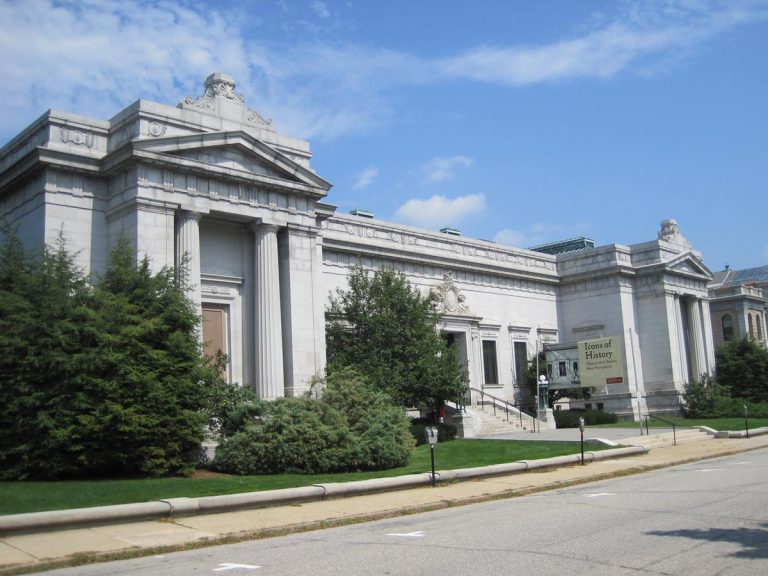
(492, 425)
(666, 438)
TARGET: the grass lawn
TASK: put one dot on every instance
(19, 497)
(716, 423)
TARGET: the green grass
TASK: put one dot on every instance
(716, 423)
(19, 497)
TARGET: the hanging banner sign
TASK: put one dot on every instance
(601, 361)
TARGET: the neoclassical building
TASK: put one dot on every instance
(212, 181)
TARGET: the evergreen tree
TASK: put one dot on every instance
(742, 366)
(109, 380)
(387, 331)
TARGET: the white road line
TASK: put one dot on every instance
(231, 566)
(709, 470)
(418, 534)
(598, 494)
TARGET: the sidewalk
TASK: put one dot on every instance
(41, 550)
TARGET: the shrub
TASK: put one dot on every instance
(296, 435)
(705, 398)
(345, 425)
(570, 418)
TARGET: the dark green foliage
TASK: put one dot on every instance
(386, 330)
(742, 367)
(383, 438)
(351, 427)
(570, 418)
(706, 398)
(445, 431)
(98, 381)
(296, 435)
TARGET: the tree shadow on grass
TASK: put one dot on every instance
(754, 541)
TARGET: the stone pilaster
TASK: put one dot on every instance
(270, 381)
(188, 248)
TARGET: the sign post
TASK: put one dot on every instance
(581, 429)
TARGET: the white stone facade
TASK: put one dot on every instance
(212, 183)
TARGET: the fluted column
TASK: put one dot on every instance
(696, 336)
(188, 247)
(270, 382)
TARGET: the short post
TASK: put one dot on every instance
(746, 419)
(581, 429)
(431, 432)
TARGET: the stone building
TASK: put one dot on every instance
(739, 302)
(213, 180)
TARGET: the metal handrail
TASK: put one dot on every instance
(660, 419)
(508, 406)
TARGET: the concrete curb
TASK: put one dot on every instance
(741, 433)
(174, 507)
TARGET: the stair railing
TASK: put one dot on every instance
(660, 419)
(508, 407)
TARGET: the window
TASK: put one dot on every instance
(600, 406)
(588, 406)
(575, 370)
(727, 323)
(549, 372)
(751, 327)
(561, 369)
(759, 324)
(490, 366)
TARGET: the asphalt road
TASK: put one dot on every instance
(705, 518)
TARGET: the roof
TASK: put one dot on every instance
(565, 246)
(757, 275)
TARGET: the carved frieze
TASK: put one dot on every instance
(447, 298)
(156, 129)
(77, 137)
(222, 86)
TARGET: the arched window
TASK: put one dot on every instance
(759, 322)
(751, 326)
(727, 322)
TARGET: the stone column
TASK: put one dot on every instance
(188, 247)
(696, 336)
(270, 382)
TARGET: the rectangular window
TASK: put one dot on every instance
(600, 406)
(588, 406)
(490, 366)
(561, 369)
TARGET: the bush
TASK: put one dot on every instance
(445, 431)
(705, 398)
(350, 426)
(296, 435)
(570, 418)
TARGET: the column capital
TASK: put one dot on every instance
(188, 215)
(264, 227)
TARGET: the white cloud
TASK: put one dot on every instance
(365, 178)
(440, 211)
(320, 9)
(442, 169)
(96, 56)
(540, 233)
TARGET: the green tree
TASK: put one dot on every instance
(742, 366)
(386, 330)
(109, 380)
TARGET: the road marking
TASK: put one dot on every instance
(709, 470)
(598, 494)
(737, 463)
(418, 534)
(231, 566)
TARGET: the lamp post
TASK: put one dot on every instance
(431, 433)
(581, 429)
(541, 392)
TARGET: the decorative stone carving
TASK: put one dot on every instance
(77, 137)
(671, 233)
(446, 296)
(156, 129)
(220, 85)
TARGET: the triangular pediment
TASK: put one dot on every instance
(236, 153)
(688, 264)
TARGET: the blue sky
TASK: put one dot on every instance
(516, 121)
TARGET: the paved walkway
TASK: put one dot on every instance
(39, 551)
